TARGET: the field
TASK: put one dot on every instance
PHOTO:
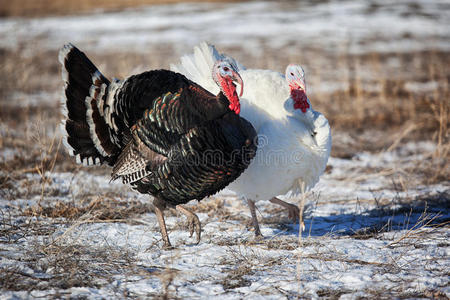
(377, 224)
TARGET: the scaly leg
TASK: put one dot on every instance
(193, 221)
(159, 207)
(293, 211)
(251, 205)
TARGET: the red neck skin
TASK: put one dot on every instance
(300, 98)
(229, 89)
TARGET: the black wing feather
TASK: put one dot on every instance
(164, 134)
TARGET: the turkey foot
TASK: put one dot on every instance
(193, 221)
(159, 207)
(293, 211)
(251, 205)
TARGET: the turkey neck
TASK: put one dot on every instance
(208, 106)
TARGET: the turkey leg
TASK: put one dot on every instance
(193, 221)
(251, 205)
(159, 207)
(293, 211)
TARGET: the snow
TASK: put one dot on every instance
(329, 259)
(360, 25)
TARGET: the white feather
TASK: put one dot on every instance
(204, 64)
(96, 76)
(287, 153)
(61, 58)
(65, 76)
(100, 100)
(63, 102)
(109, 105)
(66, 144)
(92, 131)
(85, 161)
(198, 67)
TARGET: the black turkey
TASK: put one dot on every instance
(160, 132)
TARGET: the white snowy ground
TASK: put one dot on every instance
(367, 234)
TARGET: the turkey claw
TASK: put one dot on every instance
(293, 212)
(194, 224)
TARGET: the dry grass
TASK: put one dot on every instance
(420, 217)
(366, 103)
(105, 208)
(67, 266)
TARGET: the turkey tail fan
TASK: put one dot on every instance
(87, 135)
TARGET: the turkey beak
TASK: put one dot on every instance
(298, 84)
(237, 78)
(302, 84)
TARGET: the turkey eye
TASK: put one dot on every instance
(292, 74)
(226, 69)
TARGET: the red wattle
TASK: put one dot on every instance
(300, 100)
(229, 89)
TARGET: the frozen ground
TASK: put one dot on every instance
(364, 237)
(375, 226)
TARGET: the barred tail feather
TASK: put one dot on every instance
(87, 135)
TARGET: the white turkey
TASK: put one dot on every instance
(294, 140)
(157, 130)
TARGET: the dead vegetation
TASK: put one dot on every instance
(410, 106)
(65, 266)
(105, 208)
(420, 215)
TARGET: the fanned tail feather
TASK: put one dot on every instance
(87, 136)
